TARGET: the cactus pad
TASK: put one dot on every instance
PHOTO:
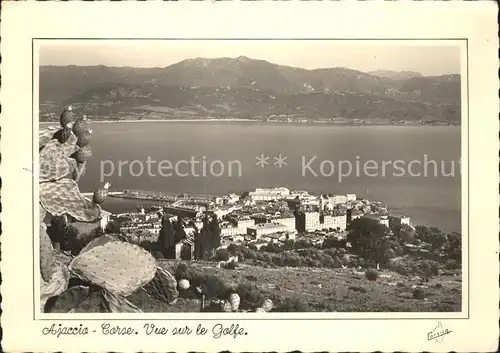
(70, 298)
(45, 135)
(103, 239)
(54, 161)
(63, 197)
(118, 267)
(79, 170)
(162, 287)
(46, 255)
(42, 215)
(57, 284)
(118, 304)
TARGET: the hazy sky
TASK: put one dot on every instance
(427, 58)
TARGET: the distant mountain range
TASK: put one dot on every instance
(247, 88)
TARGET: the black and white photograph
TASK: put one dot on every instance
(188, 176)
(249, 176)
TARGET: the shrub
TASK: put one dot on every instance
(405, 295)
(357, 289)
(345, 260)
(443, 307)
(215, 286)
(371, 274)
(158, 254)
(184, 271)
(230, 265)
(251, 278)
(401, 269)
(438, 285)
(250, 295)
(434, 268)
(222, 255)
(274, 248)
(292, 305)
(337, 262)
(418, 293)
(451, 265)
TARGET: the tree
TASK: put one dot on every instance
(113, 227)
(166, 238)
(454, 247)
(208, 239)
(369, 239)
(405, 234)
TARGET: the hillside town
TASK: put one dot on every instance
(259, 217)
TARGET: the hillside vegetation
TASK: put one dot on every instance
(249, 89)
(315, 289)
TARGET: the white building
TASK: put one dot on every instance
(351, 197)
(288, 222)
(268, 194)
(262, 229)
(231, 199)
(308, 222)
(399, 220)
(338, 199)
(335, 221)
(228, 230)
(382, 219)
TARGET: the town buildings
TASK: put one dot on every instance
(380, 218)
(269, 194)
(396, 220)
(263, 229)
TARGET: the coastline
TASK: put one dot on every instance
(235, 120)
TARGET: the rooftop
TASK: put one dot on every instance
(270, 225)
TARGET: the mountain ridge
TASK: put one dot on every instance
(212, 86)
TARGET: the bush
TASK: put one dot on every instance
(250, 295)
(184, 271)
(405, 295)
(273, 248)
(451, 265)
(292, 305)
(222, 255)
(438, 285)
(215, 287)
(443, 307)
(357, 289)
(158, 254)
(418, 293)
(251, 278)
(230, 265)
(371, 274)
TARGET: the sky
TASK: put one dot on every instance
(429, 58)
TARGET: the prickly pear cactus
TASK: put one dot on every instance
(46, 255)
(118, 304)
(118, 267)
(163, 287)
(57, 284)
(55, 162)
(59, 196)
(63, 197)
(103, 239)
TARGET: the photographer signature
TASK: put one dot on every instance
(438, 333)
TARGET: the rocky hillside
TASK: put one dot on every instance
(246, 88)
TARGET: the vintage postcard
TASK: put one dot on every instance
(268, 176)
